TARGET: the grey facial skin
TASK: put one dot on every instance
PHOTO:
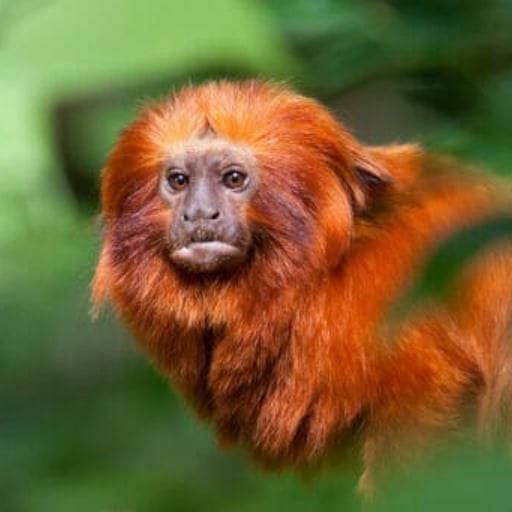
(207, 186)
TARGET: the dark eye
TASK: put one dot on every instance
(177, 180)
(234, 179)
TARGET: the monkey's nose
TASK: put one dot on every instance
(200, 214)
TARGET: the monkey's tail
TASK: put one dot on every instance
(484, 313)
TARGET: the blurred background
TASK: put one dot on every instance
(85, 423)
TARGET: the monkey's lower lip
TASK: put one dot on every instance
(205, 256)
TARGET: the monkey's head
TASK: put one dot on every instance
(227, 179)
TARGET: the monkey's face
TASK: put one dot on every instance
(206, 185)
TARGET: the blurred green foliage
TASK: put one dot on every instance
(453, 57)
(85, 423)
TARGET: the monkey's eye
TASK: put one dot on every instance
(176, 180)
(234, 179)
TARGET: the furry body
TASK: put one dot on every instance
(288, 353)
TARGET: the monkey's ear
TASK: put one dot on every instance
(372, 179)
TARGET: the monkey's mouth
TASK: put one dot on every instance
(207, 255)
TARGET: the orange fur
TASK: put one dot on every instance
(290, 354)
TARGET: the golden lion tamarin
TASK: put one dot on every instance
(255, 247)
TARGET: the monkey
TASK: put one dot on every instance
(255, 249)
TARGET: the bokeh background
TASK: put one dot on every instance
(85, 423)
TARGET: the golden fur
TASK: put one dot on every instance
(290, 354)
